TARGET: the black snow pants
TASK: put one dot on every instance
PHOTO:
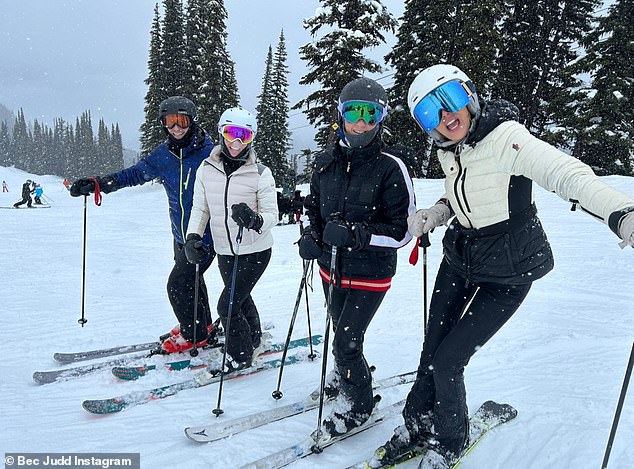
(181, 289)
(351, 312)
(244, 332)
(462, 318)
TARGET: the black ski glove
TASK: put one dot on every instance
(309, 245)
(245, 217)
(195, 250)
(346, 235)
(86, 186)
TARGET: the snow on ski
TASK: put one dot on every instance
(219, 430)
(307, 446)
(489, 416)
(202, 378)
(46, 377)
(104, 352)
(129, 373)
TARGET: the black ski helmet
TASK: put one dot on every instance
(361, 89)
(177, 105)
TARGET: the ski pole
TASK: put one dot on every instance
(218, 411)
(324, 360)
(277, 394)
(619, 407)
(312, 355)
(194, 352)
(424, 242)
(83, 319)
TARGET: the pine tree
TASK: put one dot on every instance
(211, 82)
(533, 73)
(5, 145)
(336, 58)
(273, 139)
(465, 34)
(174, 66)
(606, 116)
(152, 133)
(20, 143)
(264, 110)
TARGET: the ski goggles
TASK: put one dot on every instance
(233, 132)
(353, 111)
(181, 120)
(451, 97)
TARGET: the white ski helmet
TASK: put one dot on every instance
(433, 77)
(240, 117)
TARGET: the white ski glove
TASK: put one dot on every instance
(427, 219)
(626, 228)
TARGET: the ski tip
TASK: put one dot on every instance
(199, 436)
(103, 406)
(128, 373)
(42, 378)
(62, 358)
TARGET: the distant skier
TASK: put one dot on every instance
(37, 199)
(27, 188)
(67, 184)
(5, 187)
(175, 162)
(493, 251)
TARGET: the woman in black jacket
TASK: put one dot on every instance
(359, 201)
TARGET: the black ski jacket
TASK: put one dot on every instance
(367, 186)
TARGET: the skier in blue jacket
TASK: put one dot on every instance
(174, 162)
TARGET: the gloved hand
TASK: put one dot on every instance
(309, 245)
(626, 229)
(245, 217)
(86, 186)
(425, 220)
(342, 234)
(195, 250)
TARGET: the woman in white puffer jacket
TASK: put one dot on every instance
(493, 250)
(234, 193)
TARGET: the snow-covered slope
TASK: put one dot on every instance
(560, 360)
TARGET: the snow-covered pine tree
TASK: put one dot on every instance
(281, 134)
(337, 57)
(264, 109)
(541, 40)
(464, 33)
(606, 116)
(151, 132)
(20, 142)
(173, 61)
(210, 81)
(5, 145)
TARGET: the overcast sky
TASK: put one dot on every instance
(60, 58)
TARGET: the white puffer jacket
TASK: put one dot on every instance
(478, 183)
(215, 193)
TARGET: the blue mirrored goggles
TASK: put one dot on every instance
(353, 111)
(451, 97)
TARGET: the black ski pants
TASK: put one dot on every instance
(181, 292)
(351, 312)
(462, 318)
(244, 332)
(25, 200)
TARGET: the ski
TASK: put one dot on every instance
(314, 444)
(40, 206)
(66, 358)
(202, 378)
(489, 416)
(129, 373)
(46, 377)
(217, 431)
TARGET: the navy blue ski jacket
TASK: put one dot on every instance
(176, 167)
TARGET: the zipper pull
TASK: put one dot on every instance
(348, 168)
